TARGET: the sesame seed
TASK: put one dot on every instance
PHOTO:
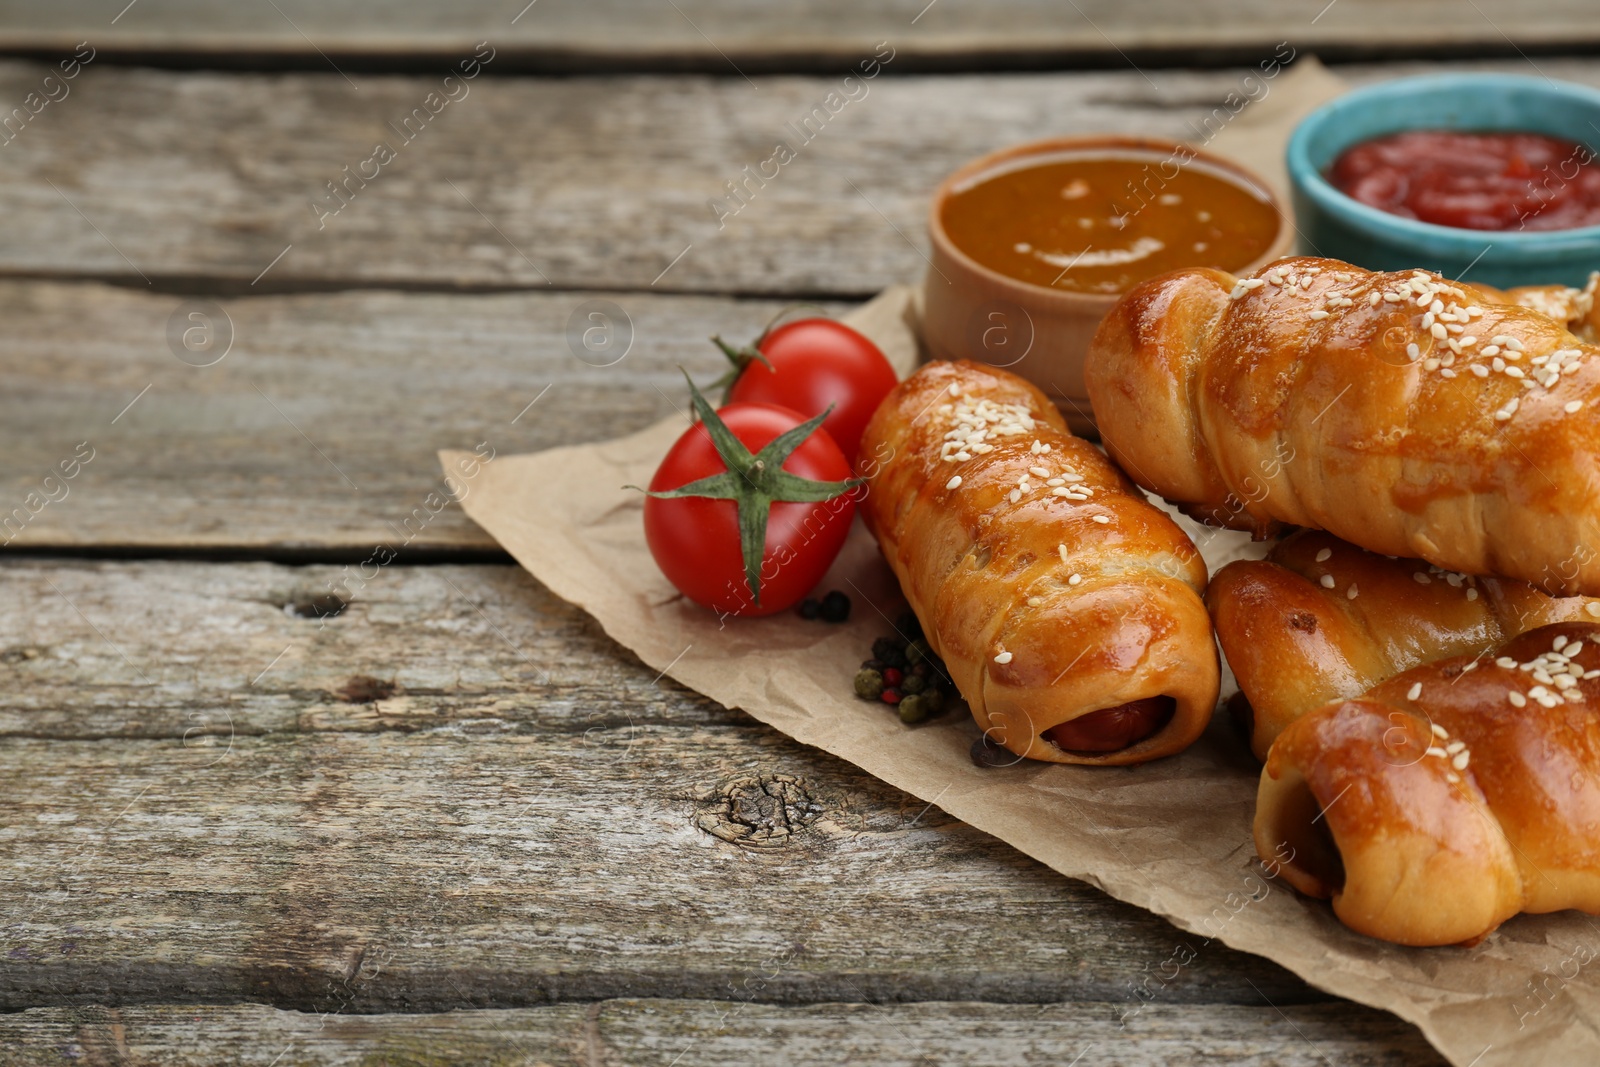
(1439, 731)
(1375, 299)
(1062, 490)
(953, 483)
(1318, 315)
(1480, 370)
(1438, 331)
(1452, 776)
(1004, 657)
(1547, 701)
(1593, 608)
(1420, 578)
(1455, 746)
(1103, 520)
(1061, 550)
(1413, 352)
(1505, 661)
(1559, 643)
(1324, 555)
(1491, 350)
(1015, 495)
(1075, 579)
(1472, 594)
(1435, 750)
(1460, 761)
(1572, 407)
(1415, 691)
(1035, 601)
(1573, 649)
(962, 456)
(1352, 592)
(1039, 472)
(955, 390)
(1517, 699)
(1513, 372)
(1327, 581)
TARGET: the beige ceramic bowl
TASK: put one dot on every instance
(972, 312)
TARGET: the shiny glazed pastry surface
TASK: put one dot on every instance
(1449, 798)
(1047, 583)
(1320, 618)
(1404, 413)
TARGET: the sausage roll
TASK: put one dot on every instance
(1574, 308)
(1449, 798)
(1320, 619)
(1066, 607)
(1402, 412)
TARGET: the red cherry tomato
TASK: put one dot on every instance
(695, 540)
(1112, 729)
(817, 362)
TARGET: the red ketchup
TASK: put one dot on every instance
(1475, 181)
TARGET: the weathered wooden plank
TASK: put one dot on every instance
(204, 180)
(722, 36)
(172, 651)
(716, 1033)
(318, 430)
(539, 841)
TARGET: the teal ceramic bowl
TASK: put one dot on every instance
(1334, 225)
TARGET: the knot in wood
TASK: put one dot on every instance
(758, 811)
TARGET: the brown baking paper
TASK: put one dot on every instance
(1171, 836)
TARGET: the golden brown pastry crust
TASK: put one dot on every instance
(1290, 398)
(1320, 619)
(1046, 601)
(1574, 308)
(1452, 796)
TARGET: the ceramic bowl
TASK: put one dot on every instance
(972, 312)
(1332, 224)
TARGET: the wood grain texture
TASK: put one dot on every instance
(489, 834)
(724, 37)
(201, 181)
(318, 431)
(718, 1034)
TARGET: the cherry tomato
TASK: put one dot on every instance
(817, 362)
(695, 540)
(1112, 729)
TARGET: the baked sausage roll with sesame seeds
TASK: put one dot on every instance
(1320, 619)
(1573, 308)
(1066, 607)
(1449, 798)
(1401, 412)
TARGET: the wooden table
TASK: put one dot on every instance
(453, 822)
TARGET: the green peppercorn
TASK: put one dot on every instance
(912, 709)
(913, 683)
(933, 701)
(869, 684)
(917, 651)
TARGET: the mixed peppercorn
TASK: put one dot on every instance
(905, 673)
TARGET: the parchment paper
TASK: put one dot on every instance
(1171, 836)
